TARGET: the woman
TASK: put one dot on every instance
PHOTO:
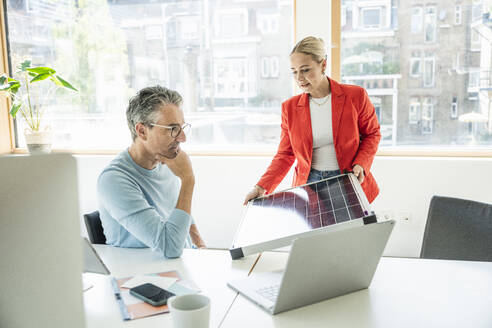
(330, 128)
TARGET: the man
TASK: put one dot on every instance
(145, 193)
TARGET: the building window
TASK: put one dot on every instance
(268, 24)
(416, 24)
(430, 24)
(231, 23)
(454, 108)
(429, 70)
(427, 116)
(371, 18)
(457, 15)
(344, 16)
(415, 64)
(376, 102)
(269, 67)
(230, 77)
(474, 79)
(414, 111)
(476, 10)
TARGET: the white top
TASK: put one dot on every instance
(324, 156)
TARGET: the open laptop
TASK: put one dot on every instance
(92, 261)
(319, 267)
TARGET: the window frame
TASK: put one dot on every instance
(433, 18)
(431, 59)
(419, 17)
(7, 138)
(362, 20)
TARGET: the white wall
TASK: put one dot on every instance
(407, 185)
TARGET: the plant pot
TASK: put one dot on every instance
(38, 142)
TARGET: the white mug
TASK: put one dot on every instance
(190, 311)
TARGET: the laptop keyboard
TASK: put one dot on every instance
(270, 292)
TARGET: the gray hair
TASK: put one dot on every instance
(144, 106)
(311, 46)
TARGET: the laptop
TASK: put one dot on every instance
(92, 261)
(319, 267)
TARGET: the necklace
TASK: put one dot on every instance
(320, 103)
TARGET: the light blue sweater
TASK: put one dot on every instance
(137, 207)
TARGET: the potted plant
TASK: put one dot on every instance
(38, 136)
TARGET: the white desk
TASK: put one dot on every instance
(404, 293)
(209, 269)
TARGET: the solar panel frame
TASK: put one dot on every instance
(332, 203)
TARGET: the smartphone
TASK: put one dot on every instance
(151, 294)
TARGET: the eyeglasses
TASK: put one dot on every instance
(175, 129)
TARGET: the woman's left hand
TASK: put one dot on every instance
(358, 172)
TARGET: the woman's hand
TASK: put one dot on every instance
(256, 192)
(358, 172)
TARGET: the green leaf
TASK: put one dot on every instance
(11, 86)
(65, 83)
(3, 79)
(41, 70)
(15, 87)
(15, 108)
(24, 65)
(40, 77)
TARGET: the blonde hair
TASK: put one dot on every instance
(311, 46)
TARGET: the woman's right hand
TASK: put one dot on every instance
(256, 192)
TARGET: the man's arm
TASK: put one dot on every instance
(125, 202)
(181, 167)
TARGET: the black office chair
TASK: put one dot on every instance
(94, 228)
(458, 229)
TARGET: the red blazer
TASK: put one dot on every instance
(356, 137)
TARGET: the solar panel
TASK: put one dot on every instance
(275, 220)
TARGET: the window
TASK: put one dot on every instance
(202, 49)
(269, 67)
(416, 26)
(474, 79)
(427, 115)
(376, 102)
(414, 111)
(422, 93)
(268, 24)
(476, 10)
(457, 15)
(430, 24)
(231, 23)
(230, 77)
(429, 70)
(415, 64)
(371, 18)
(344, 16)
(454, 108)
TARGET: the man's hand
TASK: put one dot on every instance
(180, 166)
(196, 238)
(358, 172)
